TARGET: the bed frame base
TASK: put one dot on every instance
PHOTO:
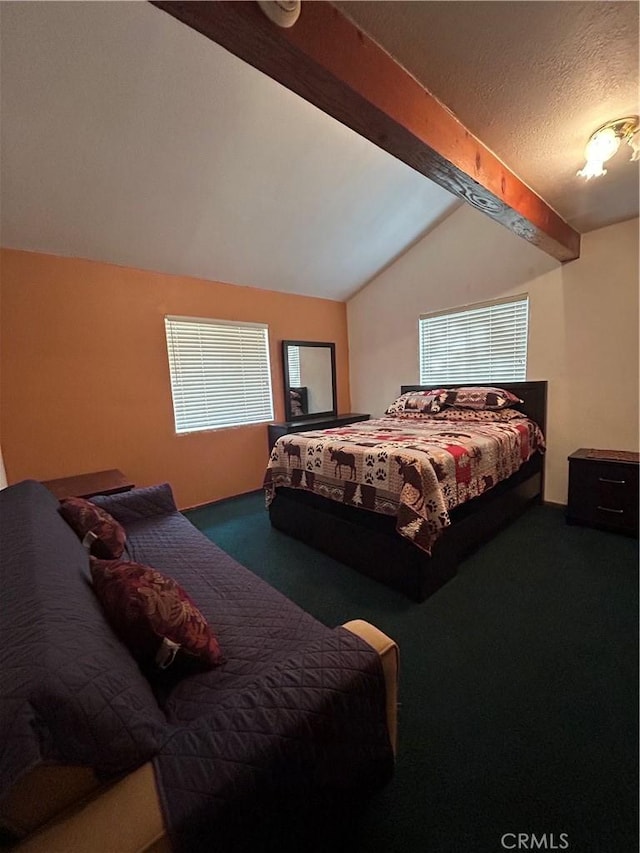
(372, 546)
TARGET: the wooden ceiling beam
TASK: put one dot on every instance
(327, 60)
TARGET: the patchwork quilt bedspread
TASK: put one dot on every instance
(417, 470)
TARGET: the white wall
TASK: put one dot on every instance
(583, 326)
(315, 374)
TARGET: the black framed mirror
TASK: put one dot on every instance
(309, 379)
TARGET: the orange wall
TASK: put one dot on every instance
(85, 378)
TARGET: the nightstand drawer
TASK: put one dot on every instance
(603, 493)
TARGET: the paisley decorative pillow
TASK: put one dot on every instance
(106, 536)
(152, 614)
(480, 397)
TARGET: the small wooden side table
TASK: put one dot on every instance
(86, 485)
(603, 489)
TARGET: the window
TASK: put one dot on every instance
(220, 373)
(293, 357)
(480, 343)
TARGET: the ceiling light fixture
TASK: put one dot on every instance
(605, 141)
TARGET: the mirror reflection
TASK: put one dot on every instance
(309, 369)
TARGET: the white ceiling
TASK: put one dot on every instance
(532, 80)
(129, 138)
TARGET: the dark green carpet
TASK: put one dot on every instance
(518, 688)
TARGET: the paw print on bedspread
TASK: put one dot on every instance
(369, 460)
(381, 474)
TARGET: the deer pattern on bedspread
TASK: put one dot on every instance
(415, 470)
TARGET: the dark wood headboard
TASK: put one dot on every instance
(533, 395)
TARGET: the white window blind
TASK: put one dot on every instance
(480, 343)
(220, 373)
(293, 357)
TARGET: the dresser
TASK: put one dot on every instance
(603, 489)
(307, 424)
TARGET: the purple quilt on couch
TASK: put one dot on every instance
(295, 714)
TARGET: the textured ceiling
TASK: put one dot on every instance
(129, 138)
(532, 80)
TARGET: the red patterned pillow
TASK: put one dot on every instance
(152, 614)
(480, 397)
(107, 537)
(418, 403)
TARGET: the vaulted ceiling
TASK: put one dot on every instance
(129, 138)
(532, 80)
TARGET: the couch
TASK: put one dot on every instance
(95, 755)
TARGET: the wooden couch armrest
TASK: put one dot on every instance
(125, 817)
(390, 659)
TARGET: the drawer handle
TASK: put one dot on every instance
(608, 509)
(616, 482)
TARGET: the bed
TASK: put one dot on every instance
(318, 491)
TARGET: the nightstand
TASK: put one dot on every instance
(87, 485)
(308, 424)
(603, 489)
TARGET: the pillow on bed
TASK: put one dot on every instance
(480, 397)
(103, 534)
(417, 403)
(152, 614)
(454, 414)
